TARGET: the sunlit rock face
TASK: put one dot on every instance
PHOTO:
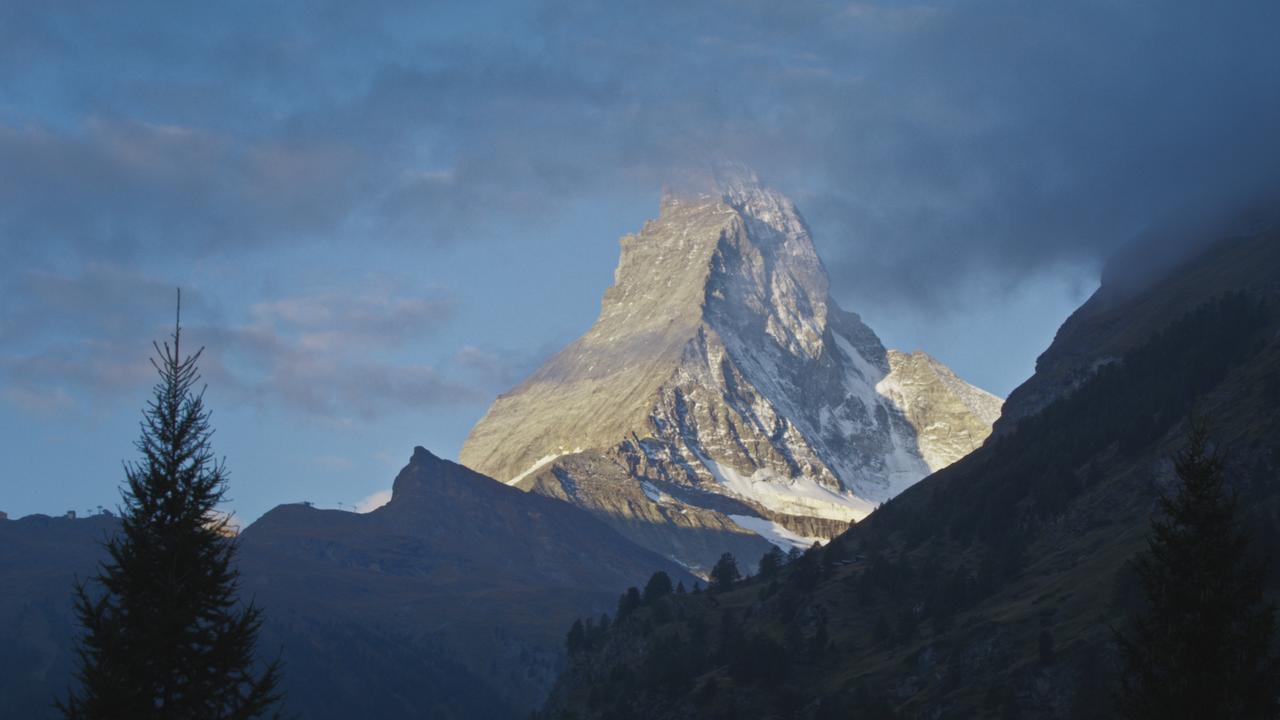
(723, 396)
(951, 417)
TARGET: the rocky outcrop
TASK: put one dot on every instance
(724, 395)
(950, 417)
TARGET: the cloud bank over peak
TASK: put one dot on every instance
(927, 141)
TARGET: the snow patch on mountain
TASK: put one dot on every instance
(775, 533)
(791, 495)
(539, 463)
(654, 494)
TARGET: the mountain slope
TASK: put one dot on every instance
(988, 589)
(40, 556)
(1126, 310)
(723, 392)
(449, 601)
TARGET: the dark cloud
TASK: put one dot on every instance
(1056, 135)
(926, 142)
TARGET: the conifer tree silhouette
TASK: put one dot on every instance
(1202, 645)
(164, 634)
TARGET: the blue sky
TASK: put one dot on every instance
(384, 214)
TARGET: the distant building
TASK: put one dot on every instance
(71, 515)
(4, 515)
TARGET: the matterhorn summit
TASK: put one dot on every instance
(723, 399)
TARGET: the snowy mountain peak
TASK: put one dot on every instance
(723, 396)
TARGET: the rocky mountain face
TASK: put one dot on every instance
(990, 589)
(951, 417)
(451, 601)
(722, 395)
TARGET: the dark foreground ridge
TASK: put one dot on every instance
(448, 602)
(990, 588)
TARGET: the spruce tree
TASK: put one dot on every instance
(770, 563)
(659, 585)
(725, 573)
(164, 635)
(577, 638)
(1201, 647)
(628, 602)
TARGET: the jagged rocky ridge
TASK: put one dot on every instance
(723, 396)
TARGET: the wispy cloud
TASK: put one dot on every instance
(500, 370)
(330, 354)
(374, 501)
(38, 400)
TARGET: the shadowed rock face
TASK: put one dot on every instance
(451, 601)
(723, 390)
(1126, 310)
(477, 572)
(40, 558)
